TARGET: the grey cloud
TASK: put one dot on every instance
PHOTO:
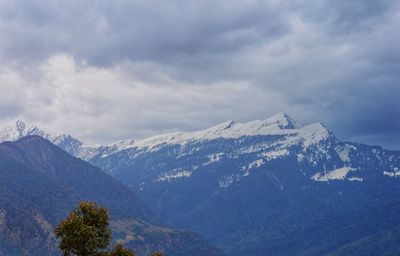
(9, 110)
(103, 32)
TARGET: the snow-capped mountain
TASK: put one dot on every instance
(19, 129)
(279, 124)
(13, 132)
(266, 185)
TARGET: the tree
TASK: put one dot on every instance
(119, 250)
(85, 231)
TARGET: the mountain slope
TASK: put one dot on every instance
(41, 183)
(268, 187)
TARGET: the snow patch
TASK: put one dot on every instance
(355, 179)
(337, 174)
(173, 175)
(344, 152)
(213, 158)
(226, 181)
(271, 155)
(300, 157)
(255, 164)
(392, 173)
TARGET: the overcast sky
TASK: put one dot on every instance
(109, 70)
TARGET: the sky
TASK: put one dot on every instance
(111, 70)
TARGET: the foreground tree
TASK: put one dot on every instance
(85, 231)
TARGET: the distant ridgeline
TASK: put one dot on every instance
(269, 187)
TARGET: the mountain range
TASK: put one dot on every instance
(270, 187)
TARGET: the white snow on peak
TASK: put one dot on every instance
(314, 133)
(19, 129)
(283, 121)
(279, 124)
(337, 174)
(221, 127)
(123, 144)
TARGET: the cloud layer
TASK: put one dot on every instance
(106, 70)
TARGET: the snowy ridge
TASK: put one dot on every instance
(19, 129)
(249, 148)
(12, 132)
(279, 124)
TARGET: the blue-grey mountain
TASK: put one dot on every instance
(270, 187)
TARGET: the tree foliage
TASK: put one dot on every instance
(85, 231)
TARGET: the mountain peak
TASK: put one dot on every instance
(280, 115)
(223, 126)
(19, 129)
(20, 125)
(314, 133)
(283, 121)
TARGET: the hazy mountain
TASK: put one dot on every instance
(264, 187)
(40, 184)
